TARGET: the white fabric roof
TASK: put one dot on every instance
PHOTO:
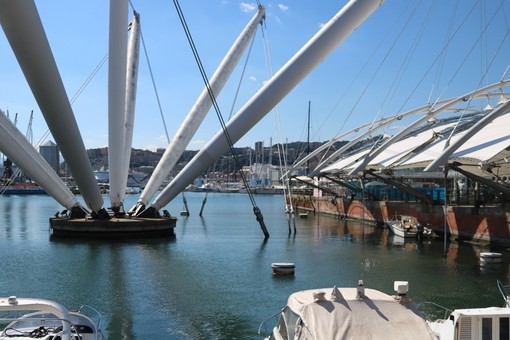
(376, 316)
(487, 146)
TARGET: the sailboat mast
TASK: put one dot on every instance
(308, 140)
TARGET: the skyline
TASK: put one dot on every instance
(386, 85)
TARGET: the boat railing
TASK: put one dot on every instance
(275, 316)
(52, 325)
(503, 289)
(96, 315)
(307, 328)
(264, 323)
(424, 309)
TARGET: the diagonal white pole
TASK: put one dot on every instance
(303, 62)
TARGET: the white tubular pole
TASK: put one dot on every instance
(303, 62)
(200, 109)
(19, 150)
(24, 30)
(117, 51)
(131, 85)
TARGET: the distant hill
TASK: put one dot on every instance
(245, 156)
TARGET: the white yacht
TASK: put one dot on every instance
(475, 323)
(46, 320)
(349, 313)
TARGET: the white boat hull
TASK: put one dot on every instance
(404, 226)
(46, 320)
(399, 231)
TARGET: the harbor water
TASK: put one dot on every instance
(213, 280)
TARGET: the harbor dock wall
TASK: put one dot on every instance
(489, 224)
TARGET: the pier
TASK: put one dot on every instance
(115, 227)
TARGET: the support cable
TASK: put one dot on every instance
(256, 210)
(154, 86)
(152, 78)
(282, 154)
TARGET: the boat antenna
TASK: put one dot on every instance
(256, 209)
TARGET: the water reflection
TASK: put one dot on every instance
(7, 216)
(215, 281)
(491, 267)
(120, 324)
(108, 275)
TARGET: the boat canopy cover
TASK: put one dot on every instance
(320, 314)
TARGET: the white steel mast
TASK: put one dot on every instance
(303, 62)
(197, 113)
(19, 150)
(23, 28)
(117, 62)
(131, 86)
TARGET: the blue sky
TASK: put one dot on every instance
(371, 74)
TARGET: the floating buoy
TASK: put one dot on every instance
(490, 257)
(283, 268)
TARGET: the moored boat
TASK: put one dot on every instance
(475, 323)
(404, 226)
(47, 320)
(349, 313)
(22, 189)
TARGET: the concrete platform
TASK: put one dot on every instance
(114, 227)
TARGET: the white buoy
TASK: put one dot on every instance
(283, 268)
(490, 257)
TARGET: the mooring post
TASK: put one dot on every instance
(260, 218)
(203, 204)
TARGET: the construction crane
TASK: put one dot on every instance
(29, 134)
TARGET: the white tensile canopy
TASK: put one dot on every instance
(486, 153)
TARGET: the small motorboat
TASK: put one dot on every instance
(283, 268)
(474, 323)
(405, 226)
(46, 320)
(348, 313)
